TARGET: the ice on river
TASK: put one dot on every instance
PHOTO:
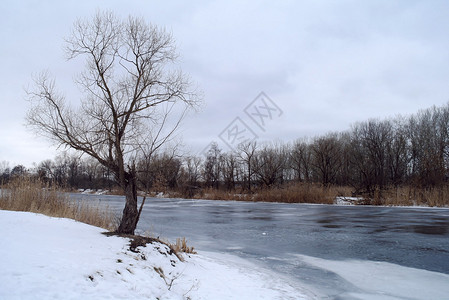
(381, 280)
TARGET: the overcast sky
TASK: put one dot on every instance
(323, 64)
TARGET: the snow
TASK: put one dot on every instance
(347, 200)
(90, 191)
(53, 258)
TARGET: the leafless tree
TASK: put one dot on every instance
(247, 152)
(45, 170)
(229, 170)
(374, 145)
(326, 157)
(363, 177)
(162, 170)
(269, 164)
(193, 170)
(131, 94)
(377, 137)
(300, 160)
(212, 166)
(398, 153)
(428, 131)
(60, 169)
(345, 172)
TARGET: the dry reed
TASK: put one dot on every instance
(409, 195)
(181, 246)
(28, 194)
(302, 193)
(288, 193)
(319, 194)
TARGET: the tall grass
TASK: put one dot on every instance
(219, 194)
(29, 194)
(317, 193)
(302, 193)
(288, 193)
(410, 195)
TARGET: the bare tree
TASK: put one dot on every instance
(193, 170)
(269, 164)
(163, 170)
(130, 91)
(247, 153)
(212, 167)
(229, 169)
(326, 157)
(429, 146)
(398, 153)
(300, 160)
(60, 169)
(45, 170)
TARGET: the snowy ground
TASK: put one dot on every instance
(52, 258)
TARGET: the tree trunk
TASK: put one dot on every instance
(130, 213)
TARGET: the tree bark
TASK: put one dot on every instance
(130, 213)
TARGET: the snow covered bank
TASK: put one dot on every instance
(347, 200)
(51, 258)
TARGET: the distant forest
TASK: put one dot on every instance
(371, 157)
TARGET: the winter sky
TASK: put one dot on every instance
(324, 64)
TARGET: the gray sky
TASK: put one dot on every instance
(324, 64)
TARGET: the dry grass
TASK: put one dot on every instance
(181, 246)
(27, 194)
(317, 193)
(302, 193)
(217, 194)
(288, 193)
(409, 195)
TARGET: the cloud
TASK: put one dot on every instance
(327, 64)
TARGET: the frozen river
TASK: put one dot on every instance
(295, 239)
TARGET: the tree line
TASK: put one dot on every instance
(372, 156)
(65, 170)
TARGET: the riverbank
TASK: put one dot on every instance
(44, 257)
(331, 199)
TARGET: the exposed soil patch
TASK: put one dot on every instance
(138, 241)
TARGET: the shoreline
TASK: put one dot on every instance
(274, 202)
(40, 250)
